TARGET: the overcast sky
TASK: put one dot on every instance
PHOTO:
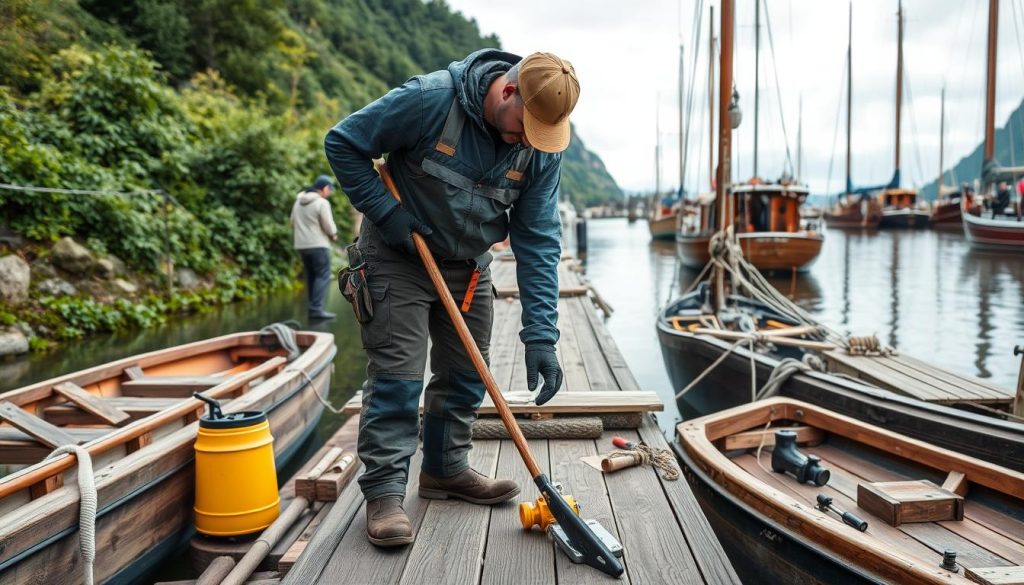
(627, 58)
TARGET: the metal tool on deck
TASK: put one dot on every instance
(580, 536)
(849, 518)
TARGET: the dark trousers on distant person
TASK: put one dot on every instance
(316, 263)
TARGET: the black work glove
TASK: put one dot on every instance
(396, 229)
(541, 358)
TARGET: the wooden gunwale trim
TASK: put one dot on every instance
(697, 438)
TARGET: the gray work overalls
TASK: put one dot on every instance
(467, 216)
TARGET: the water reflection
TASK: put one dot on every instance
(926, 292)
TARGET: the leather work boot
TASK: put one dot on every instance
(386, 522)
(468, 485)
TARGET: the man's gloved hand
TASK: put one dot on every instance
(541, 358)
(396, 229)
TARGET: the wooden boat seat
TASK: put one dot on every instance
(68, 413)
(169, 386)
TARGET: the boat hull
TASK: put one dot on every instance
(664, 228)
(904, 218)
(761, 550)
(765, 250)
(947, 214)
(851, 217)
(986, 232)
(146, 497)
(686, 356)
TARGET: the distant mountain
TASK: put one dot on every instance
(585, 180)
(1009, 140)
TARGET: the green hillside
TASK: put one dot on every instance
(1009, 151)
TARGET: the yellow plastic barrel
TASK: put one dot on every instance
(236, 480)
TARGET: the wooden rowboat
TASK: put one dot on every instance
(774, 532)
(136, 418)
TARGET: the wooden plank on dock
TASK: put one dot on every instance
(94, 405)
(461, 526)
(38, 428)
(579, 403)
(507, 542)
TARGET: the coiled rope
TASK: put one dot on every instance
(661, 459)
(86, 507)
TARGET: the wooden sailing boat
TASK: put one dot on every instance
(946, 208)
(993, 227)
(854, 209)
(768, 225)
(900, 206)
(664, 209)
(921, 514)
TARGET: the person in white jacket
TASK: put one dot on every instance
(314, 230)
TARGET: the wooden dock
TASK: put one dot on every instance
(665, 535)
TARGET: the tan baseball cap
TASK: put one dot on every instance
(549, 89)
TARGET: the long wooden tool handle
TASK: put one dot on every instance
(467, 338)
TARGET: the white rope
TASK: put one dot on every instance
(285, 338)
(87, 506)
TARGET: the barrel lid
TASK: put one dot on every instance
(233, 420)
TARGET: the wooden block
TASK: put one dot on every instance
(34, 426)
(956, 482)
(92, 404)
(46, 486)
(139, 442)
(305, 486)
(752, 439)
(904, 502)
(170, 386)
(330, 484)
(595, 402)
(995, 575)
(133, 372)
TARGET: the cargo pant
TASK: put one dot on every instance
(406, 310)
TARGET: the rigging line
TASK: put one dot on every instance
(835, 133)
(778, 88)
(696, 35)
(1016, 29)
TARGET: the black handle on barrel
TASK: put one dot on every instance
(215, 411)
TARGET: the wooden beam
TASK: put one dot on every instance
(956, 482)
(38, 428)
(170, 386)
(995, 575)
(136, 408)
(753, 439)
(565, 291)
(92, 404)
(305, 486)
(133, 372)
(330, 484)
(612, 401)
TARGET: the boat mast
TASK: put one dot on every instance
(990, 90)
(711, 97)
(942, 142)
(682, 148)
(849, 94)
(800, 139)
(657, 153)
(757, 73)
(899, 87)
(724, 215)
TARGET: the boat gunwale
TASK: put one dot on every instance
(698, 435)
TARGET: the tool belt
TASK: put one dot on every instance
(353, 284)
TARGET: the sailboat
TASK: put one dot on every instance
(900, 206)
(855, 208)
(768, 225)
(663, 209)
(993, 228)
(946, 208)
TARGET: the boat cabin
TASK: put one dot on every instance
(768, 207)
(898, 198)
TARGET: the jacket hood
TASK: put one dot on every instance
(307, 197)
(473, 76)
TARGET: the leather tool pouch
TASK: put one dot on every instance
(354, 287)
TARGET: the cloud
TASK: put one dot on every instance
(626, 56)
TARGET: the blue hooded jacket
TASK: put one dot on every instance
(407, 122)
